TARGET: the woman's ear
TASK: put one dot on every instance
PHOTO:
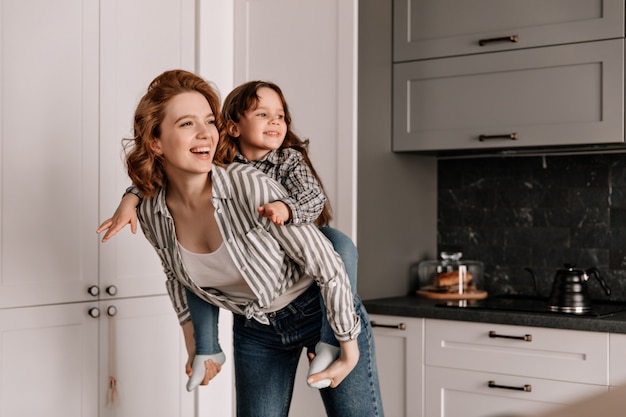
(155, 146)
(232, 129)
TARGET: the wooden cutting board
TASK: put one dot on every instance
(435, 293)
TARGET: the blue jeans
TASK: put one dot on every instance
(204, 317)
(267, 356)
(344, 246)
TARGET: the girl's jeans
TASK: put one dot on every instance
(344, 246)
(204, 316)
(266, 358)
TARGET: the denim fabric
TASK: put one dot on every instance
(204, 317)
(344, 246)
(266, 358)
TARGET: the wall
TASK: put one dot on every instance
(397, 193)
(537, 212)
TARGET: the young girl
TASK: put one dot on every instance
(279, 272)
(259, 132)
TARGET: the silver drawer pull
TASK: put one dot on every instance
(512, 38)
(526, 337)
(399, 326)
(525, 388)
(510, 136)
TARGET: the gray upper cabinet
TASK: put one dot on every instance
(437, 28)
(496, 75)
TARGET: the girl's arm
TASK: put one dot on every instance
(306, 197)
(125, 213)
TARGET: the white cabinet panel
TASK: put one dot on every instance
(561, 95)
(164, 40)
(456, 393)
(565, 355)
(49, 361)
(143, 347)
(49, 150)
(399, 355)
(436, 28)
(617, 359)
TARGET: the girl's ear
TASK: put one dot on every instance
(232, 129)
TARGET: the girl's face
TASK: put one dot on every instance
(261, 129)
(188, 135)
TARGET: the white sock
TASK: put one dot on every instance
(198, 369)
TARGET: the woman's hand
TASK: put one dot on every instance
(339, 369)
(126, 213)
(212, 369)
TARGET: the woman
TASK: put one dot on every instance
(203, 222)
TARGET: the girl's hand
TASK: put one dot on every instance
(277, 211)
(339, 369)
(126, 213)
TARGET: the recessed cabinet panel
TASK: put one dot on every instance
(562, 95)
(437, 28)
(49, 150)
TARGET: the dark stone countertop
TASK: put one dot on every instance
(414, 306)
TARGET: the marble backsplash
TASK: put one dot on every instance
(536, 212)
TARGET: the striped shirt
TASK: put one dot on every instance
(305, 194)
(270, 258)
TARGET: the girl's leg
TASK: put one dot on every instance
(328, 348)
(267, 356)
(359, 394)
(204, 317)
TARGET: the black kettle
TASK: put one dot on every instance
(569, 290)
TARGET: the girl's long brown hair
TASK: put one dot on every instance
(244, 98)
(145, 168)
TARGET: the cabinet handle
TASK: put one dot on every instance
(93, 290)
(525, 388)
(399, 326)
(525, 338)
(111, 290)
(511, 136)
(512, 38)
(94, 312)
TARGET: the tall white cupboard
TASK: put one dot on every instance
(81, 321)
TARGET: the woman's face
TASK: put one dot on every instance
(189, 135)
(261, 129)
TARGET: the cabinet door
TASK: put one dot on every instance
(142, 347)
(49, 361)
(139, 40)
(561, 95)
(437, 28)
(399, 358)
(49, 150)
(453, 393)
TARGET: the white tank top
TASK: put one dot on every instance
(217, 270)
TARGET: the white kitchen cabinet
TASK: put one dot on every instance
(400, 362)
(437, 28)
(509, 369)
(71, 74)
(57, 360)
(561, 85)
